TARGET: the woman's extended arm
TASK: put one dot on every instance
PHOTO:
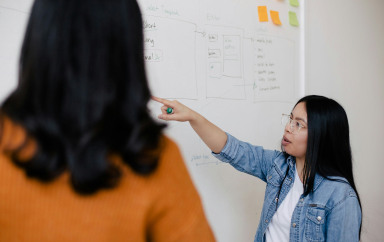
(214, 137)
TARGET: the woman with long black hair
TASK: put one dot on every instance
(310, 193)
(81, 159)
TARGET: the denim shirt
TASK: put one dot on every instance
(330, 213)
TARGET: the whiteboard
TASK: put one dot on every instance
(241, 74)
(217, 58)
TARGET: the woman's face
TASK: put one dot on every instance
(295, 141)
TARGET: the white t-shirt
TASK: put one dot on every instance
(278, 229)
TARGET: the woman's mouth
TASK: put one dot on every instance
(285, 141)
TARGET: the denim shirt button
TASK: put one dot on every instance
(294, 225)
(318, 218)
(266, 221)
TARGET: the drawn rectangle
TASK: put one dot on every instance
(225, 72)
(170, 56)
(214, 53)
(232, 68)
(153, 55)
(274, 73)
(231, 46)
(213, 37)
(215, 69)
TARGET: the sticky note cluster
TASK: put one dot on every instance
(263, 15)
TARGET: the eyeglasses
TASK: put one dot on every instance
(294, 125)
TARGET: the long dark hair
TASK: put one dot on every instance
(83, 93)
(328, 149)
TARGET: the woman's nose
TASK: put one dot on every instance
(288, 127)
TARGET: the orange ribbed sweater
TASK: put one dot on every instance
(164, 206)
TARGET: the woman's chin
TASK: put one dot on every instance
(286, 150)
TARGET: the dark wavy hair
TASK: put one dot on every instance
(82, 93)
(328, 149)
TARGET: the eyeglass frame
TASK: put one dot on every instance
(286, 118)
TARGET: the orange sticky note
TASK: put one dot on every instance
(275, 17)
(263, 13)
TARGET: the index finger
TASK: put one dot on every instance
(163, 101)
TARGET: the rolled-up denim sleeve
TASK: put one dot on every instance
(247, 158)
(343, 222)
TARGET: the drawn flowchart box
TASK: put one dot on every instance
(170, 55)
(274, 69)
(224, 77)
(215, 70)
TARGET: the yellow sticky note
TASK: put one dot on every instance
(263, 13)
(293, 19)
(275, 17)
(294, 3)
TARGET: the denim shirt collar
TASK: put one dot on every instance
(291, 160)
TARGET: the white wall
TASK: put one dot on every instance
(345, 61)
